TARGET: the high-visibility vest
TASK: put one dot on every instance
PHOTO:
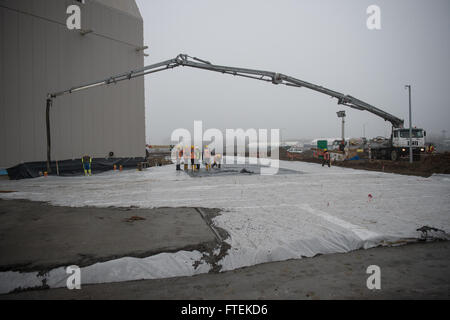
(326, 156)
(86, 159)
(192, 154)
(207, 154)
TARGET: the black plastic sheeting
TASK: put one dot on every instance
(69, 167)
(235, 169)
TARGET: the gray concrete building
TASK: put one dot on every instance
(39, 54)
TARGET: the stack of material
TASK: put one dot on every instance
(337, 156)
(3, 174)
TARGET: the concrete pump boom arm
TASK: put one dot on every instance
(193, 62)
(275, 78)
(279, 78)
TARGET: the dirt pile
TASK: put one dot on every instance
(427, 166)
(424, 168)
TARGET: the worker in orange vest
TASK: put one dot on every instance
(326, 158)
(179, 155)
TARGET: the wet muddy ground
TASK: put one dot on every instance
(35, 236)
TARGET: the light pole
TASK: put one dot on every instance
(408, 86)
(364, 130)
(341, 114)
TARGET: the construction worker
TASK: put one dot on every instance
(179, 155)
(207, 158)
(193, 158)
(87, 165)
(186, 157)
(217, 161)
(198, 158)
(326, 158)
(342, 146)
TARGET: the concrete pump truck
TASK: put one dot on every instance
(393, 148)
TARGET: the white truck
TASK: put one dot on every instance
(398, 145)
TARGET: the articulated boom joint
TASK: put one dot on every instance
(181, 59)
(277, 79)
(344, 100)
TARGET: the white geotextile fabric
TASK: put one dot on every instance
(269, 218)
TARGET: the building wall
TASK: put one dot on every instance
(39, 55)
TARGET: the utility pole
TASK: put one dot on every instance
(49, 141)
(410, 126)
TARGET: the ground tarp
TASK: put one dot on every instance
(69, 167)
(309, 211)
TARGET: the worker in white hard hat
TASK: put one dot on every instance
(217, 161)
(186, 157)
(207, 158)
(198, 158)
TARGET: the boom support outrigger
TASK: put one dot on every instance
(184, 60)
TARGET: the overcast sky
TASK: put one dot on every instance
(325, 42)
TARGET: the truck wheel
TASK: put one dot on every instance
(394, 155)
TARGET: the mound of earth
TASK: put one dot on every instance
(426, 167)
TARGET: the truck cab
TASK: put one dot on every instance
(400, 141)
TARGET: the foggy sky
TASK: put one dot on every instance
(324, 42)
